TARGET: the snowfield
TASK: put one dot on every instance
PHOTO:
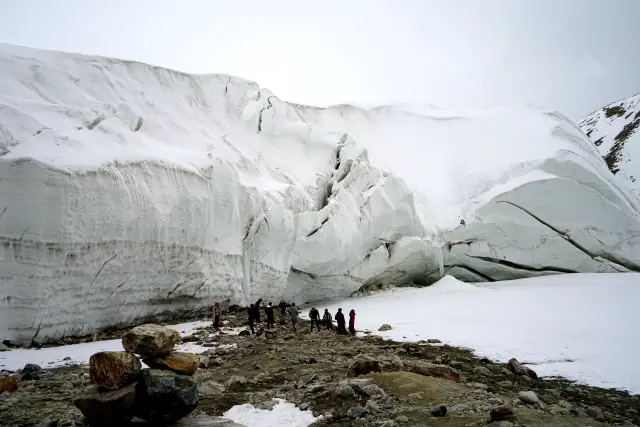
(129, 191)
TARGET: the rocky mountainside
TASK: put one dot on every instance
(615, 130)
(131, 192)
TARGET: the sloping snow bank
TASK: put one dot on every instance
(580, 326)
(129, 191)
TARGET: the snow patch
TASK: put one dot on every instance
(284, 414)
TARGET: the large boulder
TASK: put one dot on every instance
(164, 397)
(107, 408)
(113, 369)
(519, 369)
(150, 340)
(8, 384)
(433, 370)
(364, 364)
(181, 363)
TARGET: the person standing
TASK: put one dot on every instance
(270, 316)
(327, 319)
(293, 312)
(256, 314)
(216, 315)
(314, 315)
(252, 312)
(341, 322)
(283, 308)
(352, 322)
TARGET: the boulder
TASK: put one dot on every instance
(385, 327)
(235, 383)
(345, 392)
(502, 413)
(107, 408)
(8, 384)
(210, 389)
(113, 369)
(481, 370)
(432, 370)
(434, 341)
(164, 397)
(363, 365)
(439, 411)
(356, 412)
(31, 368)
(150, 340)
(528, 397)
(517, 368)
(595, 413)
(244, 333)
(181, 363)
(4, 347)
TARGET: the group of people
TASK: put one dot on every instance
(291, 311)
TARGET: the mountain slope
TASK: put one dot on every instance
(129, 191)
(615, 130)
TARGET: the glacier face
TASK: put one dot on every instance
(129, 191)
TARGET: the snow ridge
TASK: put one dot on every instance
(130, 192)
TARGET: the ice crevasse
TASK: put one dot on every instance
(132, 192)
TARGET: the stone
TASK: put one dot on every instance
(210, 389)
(481, 370)
(236, 383)
(396, 363)
(402, 419)
(164, 397)
(517, 368)
(30, 376)
(502, 413)
(444, 359)
(363, 365)
(548, 399)
(107, 408)
(356, 412)
(439, 411)
(4, 347)
(384, 327)
(31, 368)
(432, 370)
(304, 406)
(372, 390)
(150, 340)
(8, 384)
(267, 405)
(244, 333)
(180, 363)
(113, 369)
(434, 341)
(345, 392)
(528, 397)
(595, 413)
(214, 361)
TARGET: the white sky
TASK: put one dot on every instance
(570, 55)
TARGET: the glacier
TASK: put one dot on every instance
(130, 192)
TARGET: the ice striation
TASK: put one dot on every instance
(130, 192)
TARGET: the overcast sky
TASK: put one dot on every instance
(570, 55)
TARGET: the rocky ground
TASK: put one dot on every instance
(347, 381)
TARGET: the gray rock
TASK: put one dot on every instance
(434, 341)
(48, 423)
(517, 368)
(548, 399)
(236, 383)
(528, 397)
(396, 363)
(206, 421)
(304, 406)
(345, 392)
(267, 405)
(595, 413)
(107, 408)
(31, 368)
(4, 347)
(372, 390)
(384, 327)
(481, 370)
(502, 413)
(402, 419)
(356, 412)
(210, 389)
(439, 411)
(164, 397)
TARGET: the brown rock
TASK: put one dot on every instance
(107, 408)
(517, 368)
(363, 364)
(113, 369)
(502, 413)
(441, 371)
(8, 384)
(214, 361)
(150, 340)
(180, 363)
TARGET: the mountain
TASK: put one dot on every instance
(615, 130)
(129, 191)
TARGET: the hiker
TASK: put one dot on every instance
(327, 319)
(293, 312)
(283, 308)
(270, 316)
(216, 315)
(340, 320)
(352, 322)
(314, 315)
(257, 310)
(252, 313)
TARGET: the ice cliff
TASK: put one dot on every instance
(129, 191)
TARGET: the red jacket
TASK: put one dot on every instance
(352, 319)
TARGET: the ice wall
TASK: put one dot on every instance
(130, 192)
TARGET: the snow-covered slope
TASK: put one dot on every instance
(615, 130)
(129, 191)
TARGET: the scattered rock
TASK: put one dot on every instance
(181, 363)
(444, 359)
(267, 405)
(385, 327)
(113, 369)
(150, 340)
(397, 364)
(214, 361)
(432, 370)
(8, 384)
(244, 333)
(256, 365)
(107, 408)
(31, 368)
(548, 399)
(402, 419)
(30, 376)
(163, 397)
(235, 383)
(517, 368)
(4, 347)
(502, 413)
(345, 392)
(304, 406)
(372, 390)
(210, 389)
(434, 341)
(595, 413)
(439, 411)
(356, 412)
(481, 370)
(364, 364)
(528, 397)
(190, 338)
